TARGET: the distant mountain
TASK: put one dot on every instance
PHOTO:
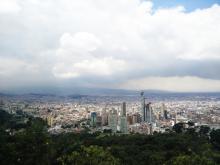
(80, 91)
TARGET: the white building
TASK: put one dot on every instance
(113, 120)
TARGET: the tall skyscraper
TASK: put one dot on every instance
(123, 119)
(104, 117)
(123, 125)
(93, 119)
(142, 106)
(113, 120)
(123, 113)
(148, 113)
(146, 110)
(165, 113)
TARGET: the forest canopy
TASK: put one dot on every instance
(25, 140)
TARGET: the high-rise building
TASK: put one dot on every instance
(104, 117)
(147, 113)
(136, 118)
(142, 106)
(123, 113)
(123, 124)
(113, 120)
(123, 119)
(165, 113)
(146, 110)
(93, 119)
(99, 121)
(129, 119)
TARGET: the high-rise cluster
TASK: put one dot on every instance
(146, 110)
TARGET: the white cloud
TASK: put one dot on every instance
(81, 41)
(15, 73)
(94, 67)
(120, 39)
(180, 84)
(9, 6)
(75, 57)
(11, 67)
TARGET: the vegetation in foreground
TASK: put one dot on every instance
(28, 142)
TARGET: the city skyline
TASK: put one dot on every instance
(119, 44)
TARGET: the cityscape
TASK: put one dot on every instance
(109, 82)
(117, 114)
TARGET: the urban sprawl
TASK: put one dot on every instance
(117, 115)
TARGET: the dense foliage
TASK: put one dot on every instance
(28, 142)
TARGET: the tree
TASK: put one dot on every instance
(215, 138)
(178, 128)
(191, 160)
(204, 130)
(92, 155)
(190, 123)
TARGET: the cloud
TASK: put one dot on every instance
(179, 84)
(107, 43)
(9, 6)
(81, 41)
(75, 57)
(15, 72)
(11, 67)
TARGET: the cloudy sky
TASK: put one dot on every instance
(128, 44)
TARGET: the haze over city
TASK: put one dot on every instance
(47, 45)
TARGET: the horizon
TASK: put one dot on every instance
(102, 92)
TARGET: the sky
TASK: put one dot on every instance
(189, 5)
(171, 45)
